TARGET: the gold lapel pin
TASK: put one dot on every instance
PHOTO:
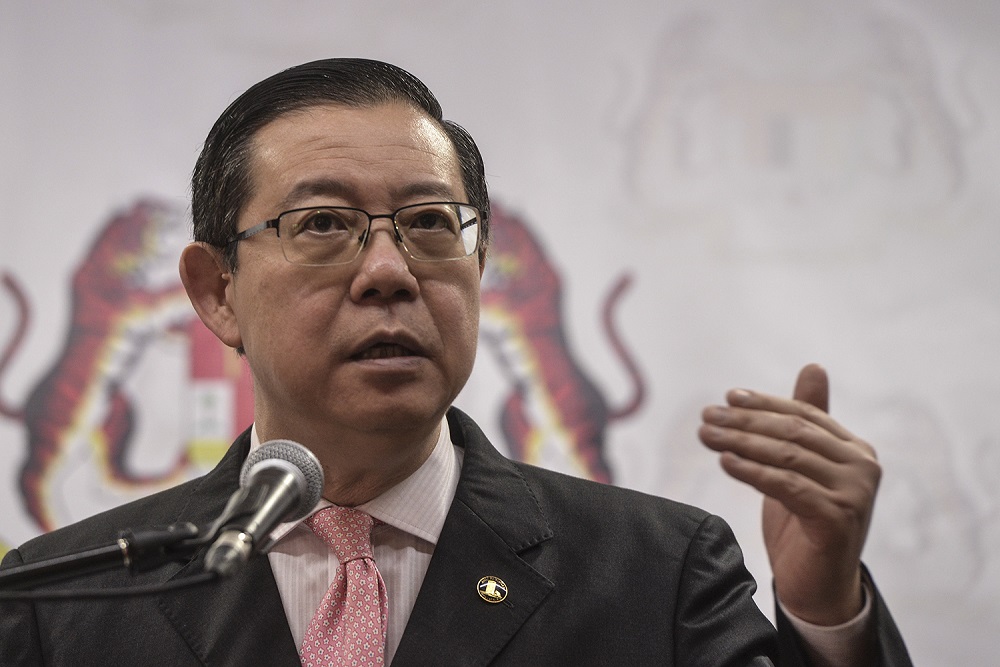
(492, 589)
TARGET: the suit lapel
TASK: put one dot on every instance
(222, 622)
(492, 522)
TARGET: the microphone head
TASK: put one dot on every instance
(300, 458)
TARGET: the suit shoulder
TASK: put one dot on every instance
(158, 509)
(559, 493)
(198, 501)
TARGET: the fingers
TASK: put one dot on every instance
(778, 437)
(813, 387)
(755, 401)
(792, 451)
(791, 460)
(802, 494)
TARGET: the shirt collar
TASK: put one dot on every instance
(417, 505)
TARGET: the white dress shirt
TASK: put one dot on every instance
(414, 512)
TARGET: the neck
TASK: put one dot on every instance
(358, 467)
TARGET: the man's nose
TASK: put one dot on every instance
(382, 223)
(384, 271)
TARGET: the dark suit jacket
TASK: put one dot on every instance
(596, 575)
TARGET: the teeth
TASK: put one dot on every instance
(384, 351)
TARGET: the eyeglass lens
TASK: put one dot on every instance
(333, 235)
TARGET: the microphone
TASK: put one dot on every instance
(280, 481)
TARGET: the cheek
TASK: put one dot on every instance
(461, 330)
(286, 315)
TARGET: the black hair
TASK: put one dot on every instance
(222, 183)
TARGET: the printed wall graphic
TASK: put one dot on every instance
(554, 415)
(840, 119)
(80, 419)
(708, 195)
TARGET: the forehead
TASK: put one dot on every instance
(390, 152)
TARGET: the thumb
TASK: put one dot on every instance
(813, 387)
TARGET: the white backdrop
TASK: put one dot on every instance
(784, 181)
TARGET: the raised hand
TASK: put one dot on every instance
(819, 483)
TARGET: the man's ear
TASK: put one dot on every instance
(206, 279)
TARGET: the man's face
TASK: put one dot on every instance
(380, 346)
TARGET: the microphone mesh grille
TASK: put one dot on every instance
(298, 456)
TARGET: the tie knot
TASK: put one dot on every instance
(348, 532)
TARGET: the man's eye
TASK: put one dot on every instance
(324, 222)
(431, 220)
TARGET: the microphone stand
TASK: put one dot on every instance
(145, 549)
(136, 550)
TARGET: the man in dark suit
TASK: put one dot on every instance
(358, 315)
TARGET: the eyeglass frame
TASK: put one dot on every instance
(274, 223)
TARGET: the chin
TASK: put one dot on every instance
(396, 416)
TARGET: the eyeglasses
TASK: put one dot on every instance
(327, 235)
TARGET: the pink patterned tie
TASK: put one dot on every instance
(349, 626)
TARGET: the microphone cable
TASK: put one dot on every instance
(190, 581)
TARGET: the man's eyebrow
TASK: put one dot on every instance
(426, 189)
(314, 188)
(332, 188)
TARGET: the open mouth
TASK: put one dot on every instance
(383, 351)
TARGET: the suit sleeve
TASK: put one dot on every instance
(718, 622)
(889, 650)
(19, 636)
